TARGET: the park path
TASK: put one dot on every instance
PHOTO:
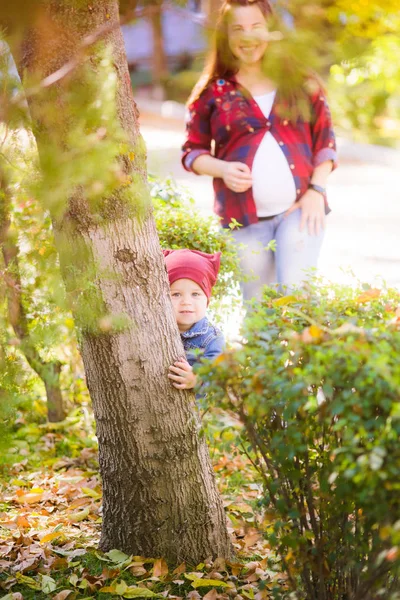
(363, 229)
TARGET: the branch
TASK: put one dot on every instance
(87, 42)
(49, 372)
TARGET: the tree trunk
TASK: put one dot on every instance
(211, 10)
(160, 67)
(160, 496)
(49, 372)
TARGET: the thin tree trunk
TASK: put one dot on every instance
(211, 9)
(160, 496)
(160, 67)
(49, 372)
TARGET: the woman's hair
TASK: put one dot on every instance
(221, 62)
(284, 65)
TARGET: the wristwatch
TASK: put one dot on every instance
(317, 188)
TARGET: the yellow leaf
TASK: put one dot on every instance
(81, 515)
(19, 482)
(160, 568)
(50, 536)
(120, 588)
(131, 156)
(315, 332)
(284, 300)
(89, 492)
(208, 583)
(29, 581)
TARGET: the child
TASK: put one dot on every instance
(192, 274)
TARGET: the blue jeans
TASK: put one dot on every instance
(296, 252)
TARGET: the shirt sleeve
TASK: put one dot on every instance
(214, 348)
(198, 130)
(323, 137)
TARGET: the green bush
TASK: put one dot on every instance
(181, 225)
(317, 385)
(179, 85)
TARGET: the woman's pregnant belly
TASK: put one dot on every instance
(274, 189)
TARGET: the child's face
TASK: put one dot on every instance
(189, 302)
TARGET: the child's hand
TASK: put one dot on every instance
(182, 375)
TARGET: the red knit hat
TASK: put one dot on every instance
(198, 266)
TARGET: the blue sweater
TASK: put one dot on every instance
(202, 340)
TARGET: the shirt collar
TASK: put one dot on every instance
(199, 328)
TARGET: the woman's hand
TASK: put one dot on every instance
(182, 375)
(237, 176)
(312, 207)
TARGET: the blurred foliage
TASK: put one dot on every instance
(316, 384)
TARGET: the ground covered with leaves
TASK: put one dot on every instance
(50, 519)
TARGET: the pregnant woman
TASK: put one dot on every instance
(270, 163)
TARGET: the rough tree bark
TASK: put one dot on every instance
(160, 496)
(49, 372)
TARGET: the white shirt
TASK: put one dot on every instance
(274, 189)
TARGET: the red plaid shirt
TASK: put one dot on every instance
(227, 115)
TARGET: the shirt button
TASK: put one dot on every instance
(281, 143)
(285, 122)
(292, 167)
(298, 192)
(268, 123)
(330, 145)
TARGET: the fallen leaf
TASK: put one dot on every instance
(160, 568)
(79, 516)
(50, 536)
(250, 539)
(62, 595)
(29, 498)
(138, 592)
(48, 584)
(22, 522)
(89, 492)
(180, 569)
(211, 595)
(120, 588)
(29, 581)
(117, 557)
(208, 583)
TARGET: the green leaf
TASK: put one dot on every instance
(48, 584)
(29, 581)
(120, 588)
(117, 557)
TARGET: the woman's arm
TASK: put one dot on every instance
(312, 203)
(236, 175)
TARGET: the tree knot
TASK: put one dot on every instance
(126, 255)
